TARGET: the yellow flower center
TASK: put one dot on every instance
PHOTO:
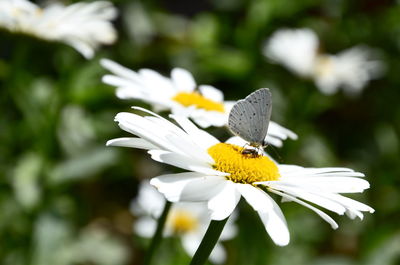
(181, 221)
(324, 65)
(199, 101)
(243, 167)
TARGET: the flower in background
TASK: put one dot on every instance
(181, 95)
(84, 26)
(350, 69)
(188, 221)
(220, 174)
(297, 49)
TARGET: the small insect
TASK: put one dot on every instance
(249, 119)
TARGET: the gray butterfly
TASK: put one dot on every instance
(249, 117)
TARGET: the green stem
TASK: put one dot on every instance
(155, 241)
(211, 237)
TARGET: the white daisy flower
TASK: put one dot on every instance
(297, 50)
(188, 221)
(351, 69)
(220, 174)
(84, 26)
(204, 103)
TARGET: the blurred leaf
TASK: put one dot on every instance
(26, 180)
(51, 234)
(139, 26)
(386, 252)
(83, 166)
(75, 131)
(96, 246)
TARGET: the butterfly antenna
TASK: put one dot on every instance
(276, 153)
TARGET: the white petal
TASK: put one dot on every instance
(273, 141)
(323, 215)
(191, 148)
(218, 254)
(205, 118)
(255, 197)
(329, 200)
(223, 204)
(206, 139)
(190, 243)
(177, 140)
(348, 203)
(131, 142)
(230, 229)
(184, 162)
(183, 80)
(156, 82)
(119, 70)
(331, 184)
(287, 170)
(130, 92)
(173, 185)
(228, 105)
(211, 92)
(352, 214)
(206, 187)
(276, 226)
(155, 131)
(309, 196)
(83, 48)
(279, 131)
(148, 202)
(117, 81)
(269, 212)
(295, 49)
(145, 227)
(236, 140)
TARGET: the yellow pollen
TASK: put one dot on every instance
(181, 221)
(243, 168)
(199, 101)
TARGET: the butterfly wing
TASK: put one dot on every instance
(249, 117)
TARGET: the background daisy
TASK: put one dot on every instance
(84, 26)
(181, 95)
(187, 221)
(298, 50)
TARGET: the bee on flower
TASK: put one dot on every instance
(180, 94)
(298, 50)
(187, 221)
(83, 26)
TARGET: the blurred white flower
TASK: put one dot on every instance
(350, 69)
(220, 174)
(181, 95)
(297, 49)
(188, 221)
(84, 26)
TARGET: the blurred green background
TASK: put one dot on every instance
(64, 196)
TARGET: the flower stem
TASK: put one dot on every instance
(157, 237)
(211, 237)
